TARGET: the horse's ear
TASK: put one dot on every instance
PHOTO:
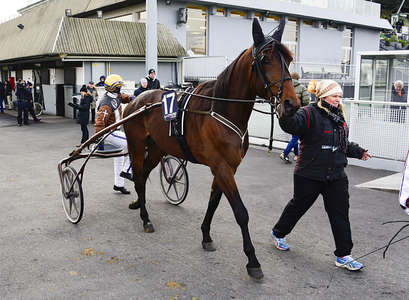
(258, 35)
(278, 33)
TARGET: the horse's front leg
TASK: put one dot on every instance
(224, 178)
(215, 195)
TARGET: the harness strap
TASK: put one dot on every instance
(229, 124)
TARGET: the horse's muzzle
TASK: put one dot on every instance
(289, 107)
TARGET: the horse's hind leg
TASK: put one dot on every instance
(141, 170)
(215, 195)
(224, 178)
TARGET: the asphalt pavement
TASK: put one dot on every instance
(108, 256)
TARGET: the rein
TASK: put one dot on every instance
(273, 100)
(258, 54)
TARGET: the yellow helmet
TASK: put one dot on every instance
(113, 83)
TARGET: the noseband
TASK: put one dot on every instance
(258, 57)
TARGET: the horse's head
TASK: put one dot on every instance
(270, 62)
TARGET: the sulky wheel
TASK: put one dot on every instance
(174, 180)
(38, 109)
(72, 198)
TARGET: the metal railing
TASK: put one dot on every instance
(381, 127)
(342, 73)
(202, 68)
(357, 7)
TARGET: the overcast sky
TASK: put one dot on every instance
(10, 7)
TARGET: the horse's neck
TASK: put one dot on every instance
(238, 113)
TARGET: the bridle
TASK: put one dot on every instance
(257, 64)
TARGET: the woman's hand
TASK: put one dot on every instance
(366, 155)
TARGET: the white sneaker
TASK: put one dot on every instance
(285, 158)
(348, 263)
(295, 157)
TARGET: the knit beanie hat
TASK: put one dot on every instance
(324, 88)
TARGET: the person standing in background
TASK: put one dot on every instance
(153, 82)
(101, 81)
(93, 91)
(8, 90)
(83, 113)
(22, 112)
(143, 87)
(2, 97)
(398, 113)
(29, 101)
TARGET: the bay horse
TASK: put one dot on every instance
(262, 71)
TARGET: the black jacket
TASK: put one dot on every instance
(139, 90)
(2, 91)
(20, 91)
(83, 110)
(321, 157)
(398, 98)
(152, 83)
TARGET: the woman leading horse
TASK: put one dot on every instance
(215, 130)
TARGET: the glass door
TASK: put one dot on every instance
(366, 79)
(381, 80)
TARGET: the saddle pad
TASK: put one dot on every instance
(176, 126)
(169, 106)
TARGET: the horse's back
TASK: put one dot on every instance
(150, 96)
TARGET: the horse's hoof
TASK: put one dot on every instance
(208, 246)
(148, 228)
(255, 273)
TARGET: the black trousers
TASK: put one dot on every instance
(85, 133)
(92, 115)
(22, 112)
(336, 202)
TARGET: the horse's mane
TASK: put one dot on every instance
(223, 80)
(284, 50)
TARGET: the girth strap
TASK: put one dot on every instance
(185, 149)
(178, 127)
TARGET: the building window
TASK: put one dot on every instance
(346, 46)
(271, 18)
(124, 18)
(237, 14)
(258, 16)
(290, 36)
(196, 30)
(220, 12)
(307, 23)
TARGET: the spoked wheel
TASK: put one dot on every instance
(38, 109)
(174, 180)
(72, 198)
